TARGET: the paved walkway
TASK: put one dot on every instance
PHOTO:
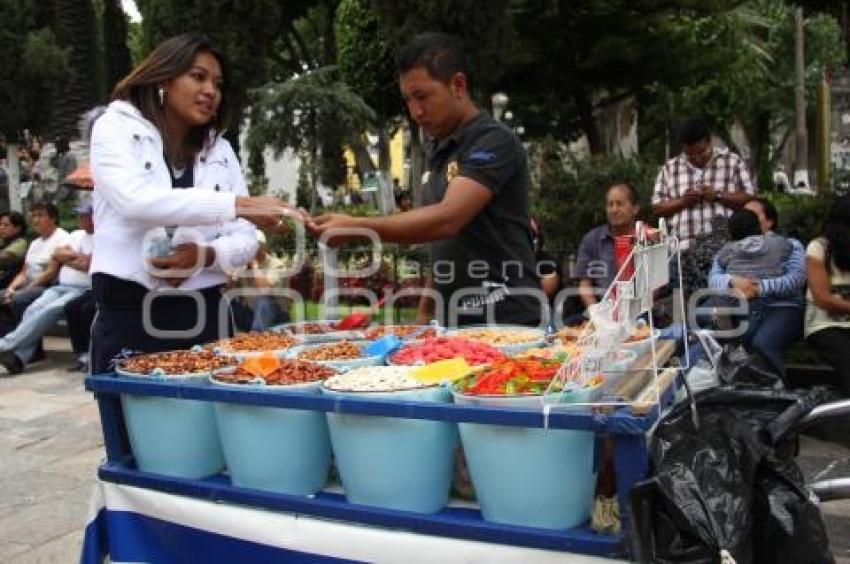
(50, 445)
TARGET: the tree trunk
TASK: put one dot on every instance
(588, 121)
(760, 141)
(14, 172)
(386, 199)
(383, 150)
(362, 158)
(801, 145)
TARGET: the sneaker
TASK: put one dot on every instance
(11, 363)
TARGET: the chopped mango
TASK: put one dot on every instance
(261, 365)
(447, 370)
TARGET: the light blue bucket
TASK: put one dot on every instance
(175, 437)
(275, 449)
(530, 477)
(402, 464)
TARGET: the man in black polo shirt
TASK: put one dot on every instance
(475, 195)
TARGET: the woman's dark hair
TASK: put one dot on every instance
(172, 58)
(17, 220)
(694, 130)
(836, 230)
(769, 211)
(441, 54)
(47, 207)
(631, 191)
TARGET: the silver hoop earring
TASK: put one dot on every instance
(161, 93)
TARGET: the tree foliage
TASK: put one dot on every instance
(74, 24)
(34, 66)
(300, 112)
(366, 58)
(116, 51)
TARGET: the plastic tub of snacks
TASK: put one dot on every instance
(400, 331)
(510, 339)
(403, 464)
(176, 437)
(341, 355)
(431, 350)
(553, 487)
(320, 331)
(257, 343)
(274, 449)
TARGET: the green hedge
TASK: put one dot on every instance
(801, 217)
(570, 194)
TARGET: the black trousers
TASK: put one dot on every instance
(119, 324)
(833, 345)
(79, 313)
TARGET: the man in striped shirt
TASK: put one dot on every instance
(775, 305)
(699, 184)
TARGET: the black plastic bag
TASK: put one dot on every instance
(722, 489)
(738, 366)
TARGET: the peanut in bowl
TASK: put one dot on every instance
(173, 364)
(272, 372)
(341, 355)
(256, 343)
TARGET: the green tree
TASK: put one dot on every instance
(298, 114)
(73, 22)
(116, 53)
(754, 84)
(35, 66)
(574, 58)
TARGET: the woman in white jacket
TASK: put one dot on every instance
(170, 205)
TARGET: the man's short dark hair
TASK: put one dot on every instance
(16, 219)
(631, 191)
(769, 211)
(743, 223)
(50, 209)
(694, 130)
(441, 54)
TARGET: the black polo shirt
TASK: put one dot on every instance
(491, 260)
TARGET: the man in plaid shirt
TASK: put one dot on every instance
(699, 184)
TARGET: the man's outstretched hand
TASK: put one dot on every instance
(325, 225)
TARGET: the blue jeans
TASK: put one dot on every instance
(267, 314)
(772, 329)
(38, 318)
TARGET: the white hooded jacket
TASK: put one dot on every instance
(134, 201)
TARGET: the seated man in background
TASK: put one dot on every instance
(259, 308)
(13, 246)
(72, 262)
(596, 266)
(39, 270)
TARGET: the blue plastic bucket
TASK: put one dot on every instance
(275, 449)
(175, 437)
(530, 477)
(402, 464)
